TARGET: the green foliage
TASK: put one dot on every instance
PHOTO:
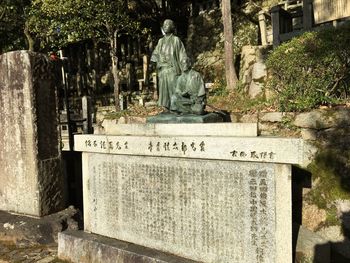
(59, 22)
(12, 21)
(332, 218)
(311, 70)
(287, 122)
(331, 171)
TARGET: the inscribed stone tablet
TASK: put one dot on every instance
(210, 211)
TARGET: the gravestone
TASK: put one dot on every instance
(31, 182)
(200, 198)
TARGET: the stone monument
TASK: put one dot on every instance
(159, 195)
(31, 181)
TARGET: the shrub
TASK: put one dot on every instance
(311, 70)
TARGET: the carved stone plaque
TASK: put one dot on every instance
(205, 210)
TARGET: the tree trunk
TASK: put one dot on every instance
(30, 40)
(230, 72)
(114, 58)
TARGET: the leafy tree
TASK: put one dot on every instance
(59, 22)
(12, 24)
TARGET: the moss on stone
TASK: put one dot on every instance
(331, 181)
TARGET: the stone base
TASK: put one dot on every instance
(187, 118)
(82, 247)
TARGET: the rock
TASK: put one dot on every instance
(259, 72)
(272, 116)
(122, 120)
(311, 247)
(250, 118)
(323, 119)
(313, 216)
(332, 233)
(309, 134)
(255, 88)
(268, 128)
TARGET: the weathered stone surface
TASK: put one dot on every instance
(255, 88)
(248, 58)
(253, 69)
(323, 119)
(259, 71)
(208, 129)
(27, 231)
(30, 181)
(107, 250)
(312, 247)
(313, 217)
(273, 116)
(189, 207)
(250, 118)
(308, 134)
(250, 149)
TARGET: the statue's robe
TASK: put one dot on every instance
(168, 54)
(190, 95)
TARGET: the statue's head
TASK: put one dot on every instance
(168, 26)
(186, 64)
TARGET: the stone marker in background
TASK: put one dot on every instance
(31, 181)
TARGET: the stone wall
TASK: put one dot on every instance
(31, 180)
(253, 72)
(326, 127)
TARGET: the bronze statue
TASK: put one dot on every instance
(189, 96)
(167, 55)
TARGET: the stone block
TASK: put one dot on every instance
(193, 129)
(30, 180)
(259, 72)
(309, 134)
(255, 89)
(323, 119)
(82, 247)
(205, 211)
(274, 116)
(249, 149)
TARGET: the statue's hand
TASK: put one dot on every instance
(184, 94)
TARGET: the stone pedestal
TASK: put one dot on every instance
(186, 118)
(201, 198)
(30, 161)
